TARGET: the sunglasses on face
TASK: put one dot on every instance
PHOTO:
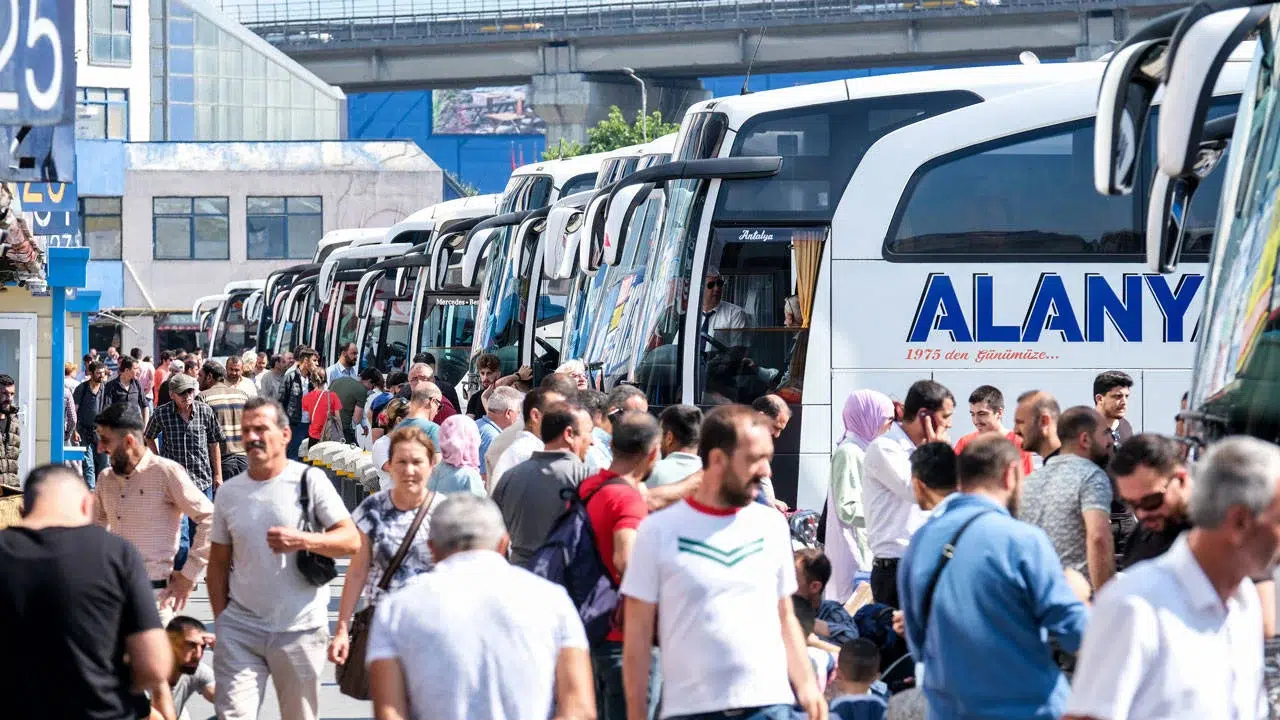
(713, 284)
(1151, 501)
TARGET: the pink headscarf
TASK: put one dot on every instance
(864, 414)
(460, 442)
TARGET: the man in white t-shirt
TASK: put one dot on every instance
(1181, 635)
(715, 574)
(272, 622)
(478, 637)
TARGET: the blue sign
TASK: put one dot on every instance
(53, 211)
(37, 62)
(38, 154)
(1050, 310)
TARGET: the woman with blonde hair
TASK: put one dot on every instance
(576, 370)
(867, 415)
(384, 520)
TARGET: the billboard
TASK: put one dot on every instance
(485, 111)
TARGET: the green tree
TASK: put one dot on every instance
(563, 149)
(612, 133)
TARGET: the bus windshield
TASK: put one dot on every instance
(1237, 374)
(386, 337)
(232, 333)
(448, 326)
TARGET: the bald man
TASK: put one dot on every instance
(72, 596)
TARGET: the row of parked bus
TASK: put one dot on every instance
(853, 234)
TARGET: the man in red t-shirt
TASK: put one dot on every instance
(615, 504)
(986, 409)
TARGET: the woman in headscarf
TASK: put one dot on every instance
(867, 415)
(459, 467)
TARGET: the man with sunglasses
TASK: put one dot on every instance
(1152, 480)
(719, 315)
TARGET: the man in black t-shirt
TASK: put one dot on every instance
(1151, 478)
(74, 600)
(126, 388)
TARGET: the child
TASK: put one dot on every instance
(856, 670)
(823, 661)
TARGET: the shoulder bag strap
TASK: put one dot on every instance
(403, 550)
(304, 499)
(948, 552)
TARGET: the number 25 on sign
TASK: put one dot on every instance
(37, 66)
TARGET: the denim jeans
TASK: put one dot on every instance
(768, 712)
(188, 534)
(300, 431)
(611, 700)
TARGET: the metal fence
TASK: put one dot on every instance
(301, 23)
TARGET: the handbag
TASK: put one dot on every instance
(316, 569)
(353, 676)
(332, 429)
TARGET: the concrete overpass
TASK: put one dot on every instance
(572, 54)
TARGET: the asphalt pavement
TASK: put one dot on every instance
(333, 704)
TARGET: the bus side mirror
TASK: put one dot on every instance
(1129, 86)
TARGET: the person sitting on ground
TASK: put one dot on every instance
(857, 669)
(189, 638)
(833, 623)
(459, 466)
(822, 655)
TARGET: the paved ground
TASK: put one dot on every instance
(333, 704)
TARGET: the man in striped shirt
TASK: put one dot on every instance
(142, 498)
(218, 392)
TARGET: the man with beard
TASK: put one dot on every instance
(188, 638)
(1035, 421)
(978, 584)
(142, 498)
(715, 575)
(1070, 496)
(10, 434)
(1180, 635)
(1152, 478)
(89, 400)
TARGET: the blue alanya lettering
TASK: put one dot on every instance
(1050, 310)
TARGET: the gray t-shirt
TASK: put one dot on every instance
(1054, 499)
(189, 685)
(529, 497)
(267, 591)
(673, 468)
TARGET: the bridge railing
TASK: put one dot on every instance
(322, 22)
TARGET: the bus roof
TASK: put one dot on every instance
(426, 219)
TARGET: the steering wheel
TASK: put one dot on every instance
(719, 346)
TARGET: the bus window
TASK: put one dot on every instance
(448, 325)
(757, 296)
(232, 333)
(577, 184)
(820, 145)
(1026, 198)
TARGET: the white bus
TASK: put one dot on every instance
(509, 319)
(233, 333)
(1236, 388)
(301, 315)
(882, 230)
(394, 291)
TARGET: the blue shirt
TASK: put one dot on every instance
(431, 429)
(1000, 597)
(839, 622)
(488, 431)
(448, 479)
(858, 707)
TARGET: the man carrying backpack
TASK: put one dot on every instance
(615, 508)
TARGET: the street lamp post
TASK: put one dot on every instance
(644, 103)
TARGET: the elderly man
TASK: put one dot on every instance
(500, 412)
(779, 414)
(423, 373)
(428, 656)
(1181, 635)
(423, 406)
(227, 400)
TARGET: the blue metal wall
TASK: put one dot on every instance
(485, 161)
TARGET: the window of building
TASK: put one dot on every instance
(283, 227)
(109, 27)
(190, 228)
(102, 114)
(101, 227)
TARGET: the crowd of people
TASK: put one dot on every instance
(556, 551)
